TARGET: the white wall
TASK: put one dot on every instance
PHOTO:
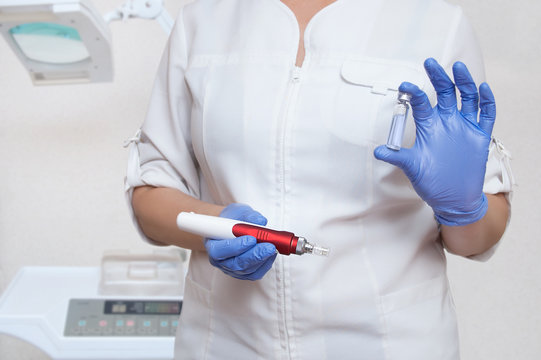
(498, 302)
(62, 165)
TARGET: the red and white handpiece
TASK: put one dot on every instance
(214, 227)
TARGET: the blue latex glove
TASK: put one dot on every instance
(242, 257)
(447, 163)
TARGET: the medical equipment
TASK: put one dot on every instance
(68, 41)
(222, 228)
(143, 9)
(92, 313)
(58, 41)
(398, 124)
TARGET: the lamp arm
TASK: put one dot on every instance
(144, 9)
(166, 21)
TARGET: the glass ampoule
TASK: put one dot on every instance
(398, 125)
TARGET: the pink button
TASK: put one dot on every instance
(130, 323)
(103, 323)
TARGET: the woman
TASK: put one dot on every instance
(269, 110)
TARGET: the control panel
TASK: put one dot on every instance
(109, 317)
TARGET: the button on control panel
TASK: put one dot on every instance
(104, 317)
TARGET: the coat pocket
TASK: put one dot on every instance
(365, 98)
(421, 322)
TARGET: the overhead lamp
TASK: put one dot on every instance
(58, 41)
(68, 41)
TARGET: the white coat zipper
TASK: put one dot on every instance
(290, 100)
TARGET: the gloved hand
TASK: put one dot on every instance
(242, 257)
(447, 163)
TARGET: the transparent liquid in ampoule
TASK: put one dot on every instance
(397, 132)
(398, 124)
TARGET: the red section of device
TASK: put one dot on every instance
(285, 242)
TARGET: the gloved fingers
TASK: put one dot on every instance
(249, 261)
(253, 274)
(420, 105)
(256, 275)
(468, 91)
(252, 259)
(243, 212)
(229, 248)
(263, 269)
(255, 218)
(399, 158)
(444, 86)
(487, 116)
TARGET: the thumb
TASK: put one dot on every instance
(398, 158)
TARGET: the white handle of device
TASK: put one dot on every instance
(213, 227)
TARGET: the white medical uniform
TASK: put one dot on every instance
(232, 119)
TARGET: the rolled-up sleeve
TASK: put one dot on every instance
(498, 179)
(160, 154)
